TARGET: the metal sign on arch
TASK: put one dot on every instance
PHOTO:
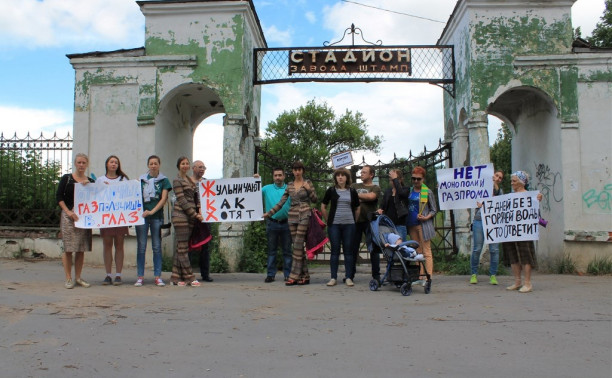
(426, 64)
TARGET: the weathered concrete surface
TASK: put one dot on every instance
(238, 326)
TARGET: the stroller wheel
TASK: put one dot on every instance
(428, 287)
(373, 284)
(406, 289)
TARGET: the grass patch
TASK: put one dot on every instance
(460, 265)
(600, 266)
(564, 265)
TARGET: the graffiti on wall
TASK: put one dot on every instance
(599, 199)
(549, 184)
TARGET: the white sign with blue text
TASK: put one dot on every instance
(231, 200)
(102, 206)
(462, 187)
(511, 217)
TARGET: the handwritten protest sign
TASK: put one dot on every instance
(231, 200)
(511, 217)
(101, 206)
(462, 187)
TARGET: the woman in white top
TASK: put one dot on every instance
(114, 235)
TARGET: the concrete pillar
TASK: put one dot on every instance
(462, 217)
(236, 140)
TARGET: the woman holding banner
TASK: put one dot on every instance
(521, 254)
(113, 235)
(184, 215)
(302, 193)
(76, 240)
(422, 209)
(155, 188)
(478, 237)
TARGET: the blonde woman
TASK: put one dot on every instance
(76, 240)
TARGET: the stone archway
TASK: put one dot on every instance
(517, 61)
(197, 61)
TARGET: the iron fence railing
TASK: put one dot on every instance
(30, 169)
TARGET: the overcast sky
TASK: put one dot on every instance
(37, 80)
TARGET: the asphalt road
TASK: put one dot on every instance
(239, 326)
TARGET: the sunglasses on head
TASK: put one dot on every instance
(417, 178)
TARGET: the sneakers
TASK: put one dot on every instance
(195, 283)
(82, 282)
(474, 279)
(493, 280)
(269, 279)
(349, 282)
(118, 281)
(139, 281)
(69, 284)
(107, 281)
(159, 282)
(332, 282)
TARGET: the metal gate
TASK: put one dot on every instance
(445, 240)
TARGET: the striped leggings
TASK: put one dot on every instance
(299, 266)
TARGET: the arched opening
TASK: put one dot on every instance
(208, 145)
(180, 112)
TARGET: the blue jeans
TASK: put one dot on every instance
(341, 234)
(141, 236)
(402, 230)
(362, 228)
(278, 233)
(477, 242)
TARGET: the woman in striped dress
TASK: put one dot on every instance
(302, 193)
(184, 215)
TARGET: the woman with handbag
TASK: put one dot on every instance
(184, 215)
(302, 193)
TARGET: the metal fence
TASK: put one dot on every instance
(444, 241)
(30, 170)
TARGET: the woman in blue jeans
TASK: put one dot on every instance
(478, 237)
(155, 188)
(343, 211)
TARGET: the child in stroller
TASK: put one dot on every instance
(403, 262)
(395, 241)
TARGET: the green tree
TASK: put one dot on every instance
(602, 35)
(312, 134)
(501, 155)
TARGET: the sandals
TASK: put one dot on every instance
(291, 282)
(304, 281)
(195, 283)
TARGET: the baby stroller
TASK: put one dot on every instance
(403, 263)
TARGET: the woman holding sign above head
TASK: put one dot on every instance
(76, 240)
(521, 254)
(155, 188)
(422, 210)
(113, 235)
(302, 193)
(184, 215)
